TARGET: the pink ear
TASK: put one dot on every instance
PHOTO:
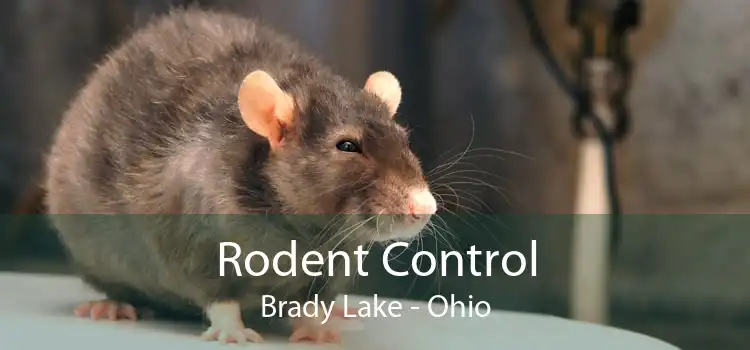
(385, 85)
(265, 108)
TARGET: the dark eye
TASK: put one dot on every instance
(348, 146)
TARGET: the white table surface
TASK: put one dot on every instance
(36, 313)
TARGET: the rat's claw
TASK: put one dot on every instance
(106, 309)
(237, 335)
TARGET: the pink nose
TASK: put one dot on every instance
(422, 203)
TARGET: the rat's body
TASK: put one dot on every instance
(206, 113)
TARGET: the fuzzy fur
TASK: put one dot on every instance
(153, 150)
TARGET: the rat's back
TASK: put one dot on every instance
(159, 109)
(164, 98)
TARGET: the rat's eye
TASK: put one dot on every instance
(348, 146)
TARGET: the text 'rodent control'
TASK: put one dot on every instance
(285, 263)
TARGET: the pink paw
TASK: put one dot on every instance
(313, 330)
(106, 309)
(235, 334)
(344, 313)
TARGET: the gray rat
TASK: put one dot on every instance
(206, 127)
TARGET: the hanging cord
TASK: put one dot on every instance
(539, 41)
(625, 17)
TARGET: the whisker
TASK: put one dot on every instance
(468, 146)
(471, 171)
(476, 182)
(349, 231)
(493, 153)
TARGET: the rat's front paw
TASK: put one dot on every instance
(238, 334)
(227, 325)
(312, 329)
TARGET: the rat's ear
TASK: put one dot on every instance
(265, 108)
(386, 86)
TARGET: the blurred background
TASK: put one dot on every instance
(471, 76)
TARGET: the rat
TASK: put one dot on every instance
(205, 127)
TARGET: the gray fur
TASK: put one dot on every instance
(154, 145)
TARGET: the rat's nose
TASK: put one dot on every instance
(422, 204)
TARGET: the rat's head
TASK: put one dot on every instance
(337, 150)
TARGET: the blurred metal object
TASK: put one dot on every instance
(591, 235)
(604, 25)
(604, 79)
(591, 11)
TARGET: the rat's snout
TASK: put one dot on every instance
(422, 204)
(409, 214)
